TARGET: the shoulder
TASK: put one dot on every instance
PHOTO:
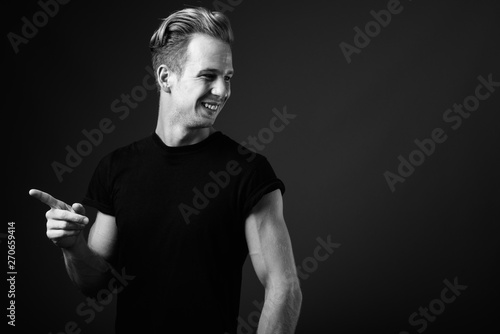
(240, 154)
(256, 176)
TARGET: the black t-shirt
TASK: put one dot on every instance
(180, 214)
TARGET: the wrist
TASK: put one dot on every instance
(77, 247)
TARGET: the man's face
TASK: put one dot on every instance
(199, 94)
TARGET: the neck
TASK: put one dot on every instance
(173, 133)
(180, 136)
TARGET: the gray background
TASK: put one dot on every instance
(353, 121)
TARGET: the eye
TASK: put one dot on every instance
(227, 78)
(209, 77)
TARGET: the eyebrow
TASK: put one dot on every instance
(215, 70)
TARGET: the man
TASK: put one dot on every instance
(180, 210)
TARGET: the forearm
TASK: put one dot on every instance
(281, 311)
(88, 271)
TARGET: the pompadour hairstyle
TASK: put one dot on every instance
(169, 42)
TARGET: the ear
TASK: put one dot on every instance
(164, 78)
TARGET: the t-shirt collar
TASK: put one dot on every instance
(185, 148)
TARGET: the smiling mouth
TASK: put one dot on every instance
(210, 106)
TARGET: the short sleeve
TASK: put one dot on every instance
(260, 181)
(99, 192)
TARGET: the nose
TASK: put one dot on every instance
(221, 89)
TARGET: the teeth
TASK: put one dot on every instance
(210, 106)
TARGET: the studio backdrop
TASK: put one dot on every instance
(381, 118)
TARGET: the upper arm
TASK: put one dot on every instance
(269, 243)
(103, 235)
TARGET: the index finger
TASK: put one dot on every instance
(49, 200)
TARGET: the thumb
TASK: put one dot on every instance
(78, 208)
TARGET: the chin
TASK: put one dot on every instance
(201, 123)
(204, 119)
